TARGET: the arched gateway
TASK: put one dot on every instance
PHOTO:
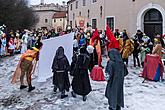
(151, 19)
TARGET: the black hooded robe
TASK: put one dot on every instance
(60, 69)
(116, 70)
(81, 83)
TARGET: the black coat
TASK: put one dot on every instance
(116, 70)
(60, 69)
(73, 64)
(81, 83)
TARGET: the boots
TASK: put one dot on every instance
(31, 88)
(23, 87)
(73, 94)
(63, 95)
(84, 98)
(55, 89)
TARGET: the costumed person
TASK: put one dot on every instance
(3, 46)
(116, 34)
(24, 42)
(90, 50)
(115, 73)
(88, 36)
(60, 68)
(26, 67)
(29, 41)
(95, 42)
(157, 48)
(81, 83)
(113, 43)
(75, 45)
(127, 47)
(144, 50)
(95, 61)
(139, 36)
(136, 52)
(82, 41)
(17, 43)
(73, 64)
(11, 47)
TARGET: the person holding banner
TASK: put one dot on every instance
(26, 65)
(60, 69)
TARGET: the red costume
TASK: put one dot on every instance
(153, 68)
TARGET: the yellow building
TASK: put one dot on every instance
(59, 21)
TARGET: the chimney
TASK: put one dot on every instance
(42, 2)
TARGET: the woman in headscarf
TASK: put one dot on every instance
(81, 83)
(115, 72)
(60, 69)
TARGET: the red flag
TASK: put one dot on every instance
(113, 42)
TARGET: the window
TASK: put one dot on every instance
(54, 20)
(80, 13)
(73, 16)
(101, 11)
(46, 20)
(88, 13)
(94, 23)
(153, 15)
(71, 7)
(93, 1)
(71, 23)
(76, 4)
(110, 22)
(84, 2)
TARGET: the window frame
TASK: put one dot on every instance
(113, 21)
(93, 1)
(84, 2)
(71, 7)
(76, 4)
(96, 22)
(46, 20)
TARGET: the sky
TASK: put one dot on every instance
(36, 2)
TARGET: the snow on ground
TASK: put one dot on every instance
(138, 95)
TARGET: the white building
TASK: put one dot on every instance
(146, 15)
(45, 13)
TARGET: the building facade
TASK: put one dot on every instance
(59, 21)
(45, 13)
(146, 15)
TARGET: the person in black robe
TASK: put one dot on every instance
(60, 69)
(115, 72)
(81, 83)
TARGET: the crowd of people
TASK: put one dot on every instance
(88, 49)
(137, 45)
(15, 42)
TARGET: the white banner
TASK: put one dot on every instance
(48, 52)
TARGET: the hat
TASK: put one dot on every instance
(90, 49)
(157, 36)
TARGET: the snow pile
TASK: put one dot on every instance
(138, 95)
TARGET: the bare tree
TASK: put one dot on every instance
(16, 14)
